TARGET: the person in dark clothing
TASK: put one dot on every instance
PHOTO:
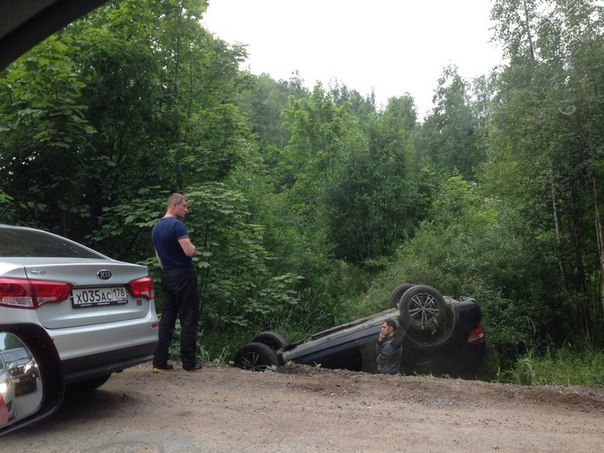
(389, 349)
(174, 252)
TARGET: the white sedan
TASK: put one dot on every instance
(99, 312)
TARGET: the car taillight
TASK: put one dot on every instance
(476, 336)
(22, 293)
(142, 287)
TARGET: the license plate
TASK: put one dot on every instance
(91, 297)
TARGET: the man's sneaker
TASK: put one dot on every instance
(160, 368)
(197, 366)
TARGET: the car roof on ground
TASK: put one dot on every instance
(24, 23)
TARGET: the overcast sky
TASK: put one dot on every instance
(388, 46)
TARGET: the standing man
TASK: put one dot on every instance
(389, 349)
(174, 252)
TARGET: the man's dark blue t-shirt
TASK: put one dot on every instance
(165, 235)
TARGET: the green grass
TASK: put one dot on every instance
(566, 366)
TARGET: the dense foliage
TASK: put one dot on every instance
(309, 206)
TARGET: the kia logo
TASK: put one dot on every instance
(104, 274)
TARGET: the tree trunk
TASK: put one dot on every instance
(599, 235)
(580, 282)
(527, 27)
(556, 215)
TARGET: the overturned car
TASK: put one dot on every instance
(442, 336)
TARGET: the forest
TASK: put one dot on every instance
(308, 206)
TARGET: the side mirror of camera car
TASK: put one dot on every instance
(31, 377)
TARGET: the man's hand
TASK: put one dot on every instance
(187, 246)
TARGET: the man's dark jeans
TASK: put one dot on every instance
(180, 298)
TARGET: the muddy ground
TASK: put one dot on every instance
(306, 409)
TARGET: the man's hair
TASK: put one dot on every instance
(176, 198)
(391, 323)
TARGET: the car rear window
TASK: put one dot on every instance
(16, 242)
(14, 354)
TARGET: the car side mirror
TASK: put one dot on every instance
(31, 377)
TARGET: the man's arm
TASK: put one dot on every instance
(157, 257)
(187, 246)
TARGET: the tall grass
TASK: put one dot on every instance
(566, 366)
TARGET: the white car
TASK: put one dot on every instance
(7, 390)
(99, 312)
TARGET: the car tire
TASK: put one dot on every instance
(89, 385)
(256, 357)
(425, 316)
(272, 339)
(397, 293)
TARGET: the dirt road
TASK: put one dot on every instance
(303, 409)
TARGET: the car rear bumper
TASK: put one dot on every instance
(91, 366)
(95, 350)
(91, 351)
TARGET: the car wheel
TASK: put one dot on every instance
(397, 293)
(89, 385)
(256, 357)
(272, 339)
(425, 316)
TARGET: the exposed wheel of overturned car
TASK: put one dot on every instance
(272, 339)
(256, 357)
(397, 293)
(425, 316)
